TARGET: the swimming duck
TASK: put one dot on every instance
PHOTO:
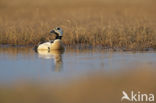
(53, 44)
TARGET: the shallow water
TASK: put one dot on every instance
(74, 76)
(24, 63)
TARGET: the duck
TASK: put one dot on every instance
(55, 44)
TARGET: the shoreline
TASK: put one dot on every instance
(82, 47)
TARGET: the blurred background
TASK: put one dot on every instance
(109, 23)
(85, 76)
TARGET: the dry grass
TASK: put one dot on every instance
(108, 23)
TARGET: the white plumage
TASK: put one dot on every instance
(44, 46)
(53, 45)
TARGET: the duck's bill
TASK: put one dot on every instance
(52, 32)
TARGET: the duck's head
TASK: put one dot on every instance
(58, 32)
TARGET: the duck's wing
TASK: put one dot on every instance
(51, 41)
(41, 42)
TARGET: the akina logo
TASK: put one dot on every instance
(137, 97)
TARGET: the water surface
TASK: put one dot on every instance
(74, 76)
(24, 63)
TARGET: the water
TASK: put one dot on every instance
(74, 76)
(24, 63)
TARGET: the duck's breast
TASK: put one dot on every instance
(57, 45)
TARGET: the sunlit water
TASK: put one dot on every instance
(25, 64)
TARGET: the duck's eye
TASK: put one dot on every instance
(58, 28)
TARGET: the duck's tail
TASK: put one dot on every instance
(35, 48)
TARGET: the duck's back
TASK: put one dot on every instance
(44, 46)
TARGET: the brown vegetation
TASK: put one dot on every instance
(109, 23)
(91, 88)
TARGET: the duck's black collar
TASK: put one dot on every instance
(58, 37)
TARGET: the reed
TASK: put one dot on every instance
(107, 23)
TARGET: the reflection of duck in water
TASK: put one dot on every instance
(52, 44)
(53, 54)
(52, 49)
